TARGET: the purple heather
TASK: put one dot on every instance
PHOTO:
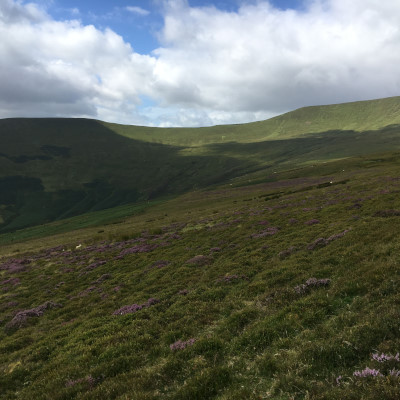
(367, 372)
(180, 345)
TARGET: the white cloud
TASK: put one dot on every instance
(212, 66)
(12, 11)
(66, 69)
(138, 10)
(262, 58)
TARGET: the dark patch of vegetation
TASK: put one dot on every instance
(56, 151)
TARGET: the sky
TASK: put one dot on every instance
(193, 62)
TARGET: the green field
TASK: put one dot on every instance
(276, 281)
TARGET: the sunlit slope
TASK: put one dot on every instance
(357, 116)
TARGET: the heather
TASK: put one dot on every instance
(234, 292)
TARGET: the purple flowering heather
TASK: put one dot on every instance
(21, 317)
(337, 235)
(318, 282)
(142, 248)
(66, 270)
(287, 252)
(151, 302)
(10, 304)
(11, 281)
(135, 307)
(230, 278)
(255, 212)
(387, 213)
(89, 290)
(199, 260)
(322, 242)
(367, 372)
(311, 283)
(381, 358)
(312, 222)
(158, 264)
(15, 265)
(102, 278)
(181, 345)
(128, 309)
(175, 236)
(92, 266)
(394, 372)
(89, 380)
(267, 232)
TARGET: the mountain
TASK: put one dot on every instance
(51, 169)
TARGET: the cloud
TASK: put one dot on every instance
(138, 10)
(50, 68)
(13, 11)
(264, 59)
(212, 66)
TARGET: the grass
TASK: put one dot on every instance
(114, 216)
(256, 336)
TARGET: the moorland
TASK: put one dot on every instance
(253, 261)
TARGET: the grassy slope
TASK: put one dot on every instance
(358, 116)
(52, 169)
(255, 336)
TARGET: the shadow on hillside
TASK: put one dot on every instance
(76, 165)
(58, 168)
(323, 146)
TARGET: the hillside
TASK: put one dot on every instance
(358, 116)
(51, 169)
(286, 289)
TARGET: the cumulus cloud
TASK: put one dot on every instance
(212, 66)
(51, 68)
(262, 58)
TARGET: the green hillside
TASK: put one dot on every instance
(286, 289)
(51, 169)
(359, 116)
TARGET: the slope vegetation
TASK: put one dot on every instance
(51, 169)
(359, 116)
